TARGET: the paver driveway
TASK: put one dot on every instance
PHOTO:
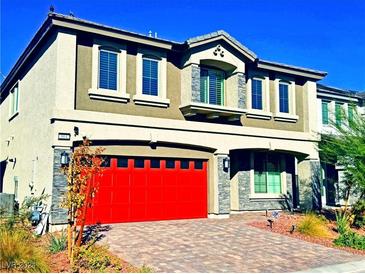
(211, 245)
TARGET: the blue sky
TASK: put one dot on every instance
(326, 35)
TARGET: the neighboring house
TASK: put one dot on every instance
(190, 129)
(335, 106)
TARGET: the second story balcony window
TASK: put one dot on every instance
(212, 86)
(150, 77)
(256, 94)
(108, 70)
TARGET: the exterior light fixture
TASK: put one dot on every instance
(64, 159)
(226, 163)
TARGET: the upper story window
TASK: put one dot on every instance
(212, 86)
(256, 94)
(14, 100)
(150, 77)
(283, 97)
(338, 113)
(351, 110)
(325, 112)
(267, 173)
(108, 70)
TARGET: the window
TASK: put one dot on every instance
(325, 117)
(338, 113)
(184, 164)
(170, 164)
(257, 94)
(267, 173)
(284, 97)
(122, 162)
(155, 163)
(212, 86)
(351, 110)
(139, 163)
(106, 161)
(14, 100)
(108, 70)
(150, 77)
(198, 164)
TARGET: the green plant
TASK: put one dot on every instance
(313, 225)
(144, 269)
(351, 239)
(358, 210)
(18, 252)
(57, 243)
(96, 258)
(343, 222)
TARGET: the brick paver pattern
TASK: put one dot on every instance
(212, 245)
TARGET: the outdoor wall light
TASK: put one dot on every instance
(64, 159)
(226, 163)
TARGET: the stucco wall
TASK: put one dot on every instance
(30, 133)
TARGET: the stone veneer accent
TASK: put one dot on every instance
(195, 83)
(224, 188)
(310, 185)
(241, 82)
(58, 214)
(247, 203)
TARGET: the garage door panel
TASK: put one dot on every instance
(140, 189)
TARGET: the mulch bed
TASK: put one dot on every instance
(284, 224)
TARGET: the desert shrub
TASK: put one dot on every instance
(351, 239)
(18, 252)
(358, 210)
(97, 258)
(313, 225)
(144, 269)
(57, 243)
(343, 222)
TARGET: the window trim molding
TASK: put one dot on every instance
(161, 99)
(119, 95)
(290, 116)
(265, 112)
(11, 115)
(254, 195)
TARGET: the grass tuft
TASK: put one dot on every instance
(313, 225)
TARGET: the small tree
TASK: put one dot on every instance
(346, 147)
(83, 173)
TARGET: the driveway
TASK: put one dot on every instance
(212, 245)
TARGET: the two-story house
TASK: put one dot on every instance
(190, 130)
(338, 106)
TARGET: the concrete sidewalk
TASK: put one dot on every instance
(350, 267)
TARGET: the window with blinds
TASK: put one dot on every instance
(150, 77)
(284, 97)
(212, 86)
(108, 69)
(325, 116)
(256, 94)
(338, 113)
(267, 173)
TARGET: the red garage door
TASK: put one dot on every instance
(149, 189)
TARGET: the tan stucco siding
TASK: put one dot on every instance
(30, 133)
(84, 79)
(300, 104)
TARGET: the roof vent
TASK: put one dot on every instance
(150, 33)
(71, 14)
(51, 8)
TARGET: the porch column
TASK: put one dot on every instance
(195, 83)
(222, 185)
(309, 175)
(58, 215)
